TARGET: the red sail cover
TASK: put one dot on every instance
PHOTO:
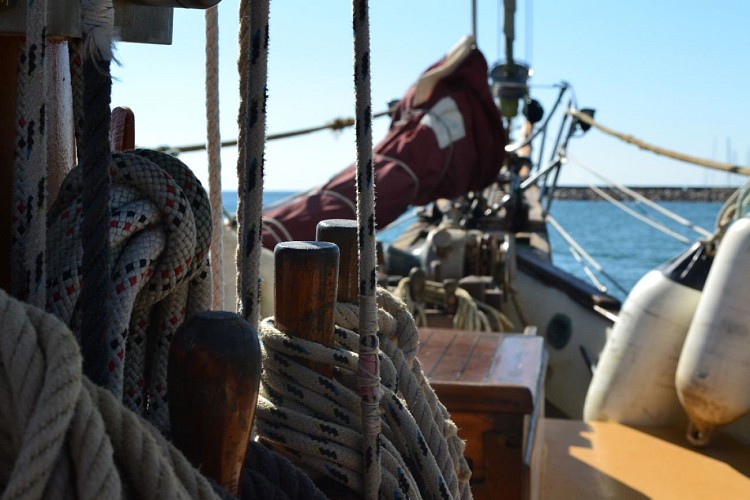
(450, 143)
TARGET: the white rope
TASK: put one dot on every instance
(30, 162)
(319, 419)
(62, 436)
(253, 60)
(368, 368)
(160, 231)
(213, 147)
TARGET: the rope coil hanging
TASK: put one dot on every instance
(159, 230)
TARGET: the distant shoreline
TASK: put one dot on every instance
(652, 193)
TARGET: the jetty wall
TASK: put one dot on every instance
(654, 193)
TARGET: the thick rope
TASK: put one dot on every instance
(97, 24)
(159, 231)
(253, 69)
(30, 162)
(368, 369)
(60, 433)
(319, 421)
(726, 167)
(213, 147)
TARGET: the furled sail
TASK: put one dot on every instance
(446, 138)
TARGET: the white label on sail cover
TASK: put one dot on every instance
(446, 121)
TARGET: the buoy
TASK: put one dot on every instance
(634, 380)
(713, 374)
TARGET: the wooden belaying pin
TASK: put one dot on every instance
(213, 378)
(306, 274)
(343, 232)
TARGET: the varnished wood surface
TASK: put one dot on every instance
(484, 372)
(604, 460)
(122, 129)
(492, 385)
(306, 276)
(214, 374)
(343, 233)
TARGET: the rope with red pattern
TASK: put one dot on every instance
(160, 229)
(30, 162)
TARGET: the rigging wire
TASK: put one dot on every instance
(641, 198)
(586, 269)
(583, 253)
(642, 218)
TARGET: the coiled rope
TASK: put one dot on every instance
(59, 432)
(471, 314)
(159, 230)
(318, 420)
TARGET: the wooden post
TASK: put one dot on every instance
(305, 293)
(213, 378)
(343, 232)
(9, 47)
(122, 129)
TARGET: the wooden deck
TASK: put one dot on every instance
(492, 385)
(607, 460)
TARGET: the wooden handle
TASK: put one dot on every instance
(306, 276)
(343, 232)
(122, 129)
(213, 377)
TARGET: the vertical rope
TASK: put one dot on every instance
(213, 147)
(368, 372)
(97, 22)
(30, 163)
(253, 68)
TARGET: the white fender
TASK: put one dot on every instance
(713, 374)
(267, 289)
(634, 380)
(230, 276)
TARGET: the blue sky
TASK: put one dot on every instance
(674, 73)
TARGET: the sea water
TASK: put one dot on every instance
(623, 246)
